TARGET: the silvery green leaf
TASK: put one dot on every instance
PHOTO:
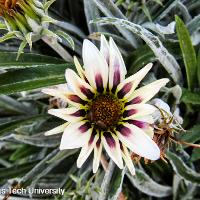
(66, 37)
(116, 184)
(145, 184)
(38, 140)
(36, 28)
(195, 37)
(47, 19)
(111, 10)
(162, 54)
(48, 4)
(182, 169)
(162, 30)
(9, 35)
(29, 39)
(194, 24)
(10, 103)
(3, 26)
(38, 4)
(70, 28)
(91, 12)
(46, 32)
(38, 168)
(21, 48)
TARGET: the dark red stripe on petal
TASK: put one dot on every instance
(126, 88)
(138, 123)
(99, 83)
(121, 146)
(79, 113)
(98, 143)
(128, 113)
(136, 100)
(116, 80)
(124, 130)
(109, 139)
(91, 139)
(76, 99)
(85, 127)
(87, 92)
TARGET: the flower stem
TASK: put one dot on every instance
(106, 181)
(58, 48)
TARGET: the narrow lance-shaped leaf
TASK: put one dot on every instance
(189, 55)
(182, 169)
(190, 97)
(145, 184)
(165, 58)
(32, 78)
(198, 67)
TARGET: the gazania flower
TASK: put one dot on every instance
(107, 111)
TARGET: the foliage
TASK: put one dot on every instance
(165, 32)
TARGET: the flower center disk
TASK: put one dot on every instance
(105, 111)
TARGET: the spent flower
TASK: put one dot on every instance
(106, 109)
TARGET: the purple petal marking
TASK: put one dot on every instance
(124, 130)
(128, 113)
(91, 139)
(109, 139)
(99, 83)
(136, 100)
(116, 79)
(126, 88)
(98, 143)
(79, 113)
(121, 146)
(87, 92)
(138, 123)
(83, 128)
(76, 99)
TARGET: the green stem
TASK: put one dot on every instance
(58, 48)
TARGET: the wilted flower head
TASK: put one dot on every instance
(26, 20)
(107, 111)
(166, 125)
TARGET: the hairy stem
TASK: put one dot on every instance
(106, 181)
(58, 48)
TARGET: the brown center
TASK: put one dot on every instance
(105, 111)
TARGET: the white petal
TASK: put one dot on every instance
(104, 49)
(145, 93)
(71, 114)
(148, 119)
(86, 150)
(127, 158)
(135, 111)
(117, 68)
(97, 156)
(56, 130)
(56, 93)
(126, 88)
(78, 86)
(161, 104)
(74, 136)
(138, 142)
(79, 68)
(96, 68)
(149, 131)
(112, 147)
